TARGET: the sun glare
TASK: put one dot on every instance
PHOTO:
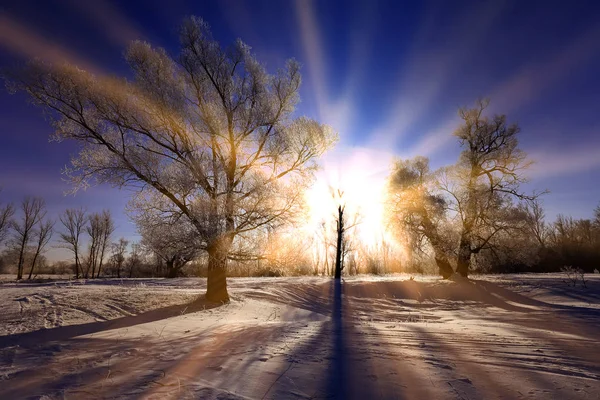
(359, 176)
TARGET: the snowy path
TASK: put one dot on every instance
(304, 338)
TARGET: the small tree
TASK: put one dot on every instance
(6, 213)
(535, 221)
(118, 254)
(100, 228)
(135, 258)
(339, 249)
(74, 221)
(342, 244)
(34, 210)
(44, 234)
(108, 228)
(94, 231)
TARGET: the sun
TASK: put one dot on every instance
(359, 176)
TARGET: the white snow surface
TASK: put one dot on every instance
(392, 337)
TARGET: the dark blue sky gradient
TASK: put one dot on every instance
(388, 75)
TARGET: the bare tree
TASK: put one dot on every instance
(99, 230)
(44, 234)
(6, 213)
(325, 244)
(74, 221)
(118, 254)
(94, 231)
(485, 182)
(339, 248)
(414, 205)
(107, 229)
(342, 225)
(34, 210)
(535, 223)
(134, 259)
(210, 130)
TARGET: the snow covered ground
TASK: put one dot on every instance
(509, 337)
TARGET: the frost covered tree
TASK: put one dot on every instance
(483, 188)
(165, 232)
(33, 212)
(416, 206)
(208, 129)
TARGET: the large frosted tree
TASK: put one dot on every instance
(481, 193)
(209, 129)
(483, 189)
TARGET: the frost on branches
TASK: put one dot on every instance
(209, 130)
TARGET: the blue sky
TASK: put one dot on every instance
(389, 76)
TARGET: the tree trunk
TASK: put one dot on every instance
(21, 261)
(76, 267)
(464, 249)
(171, 270)
(102, 254)
(94, 267)
(441, 260)
(216, 284)
(33, 265)
(464, 257)
(444, 267)
(99, 269)
(340, 240)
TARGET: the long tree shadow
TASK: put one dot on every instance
(67, 332)
(334, 353)
(338, 375)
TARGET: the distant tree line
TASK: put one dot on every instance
(25, 234)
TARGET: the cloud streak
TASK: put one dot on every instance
(340, 112)
(421, 83)
(529, 82)
(112, 22)
(24, 41)
(564, 162)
